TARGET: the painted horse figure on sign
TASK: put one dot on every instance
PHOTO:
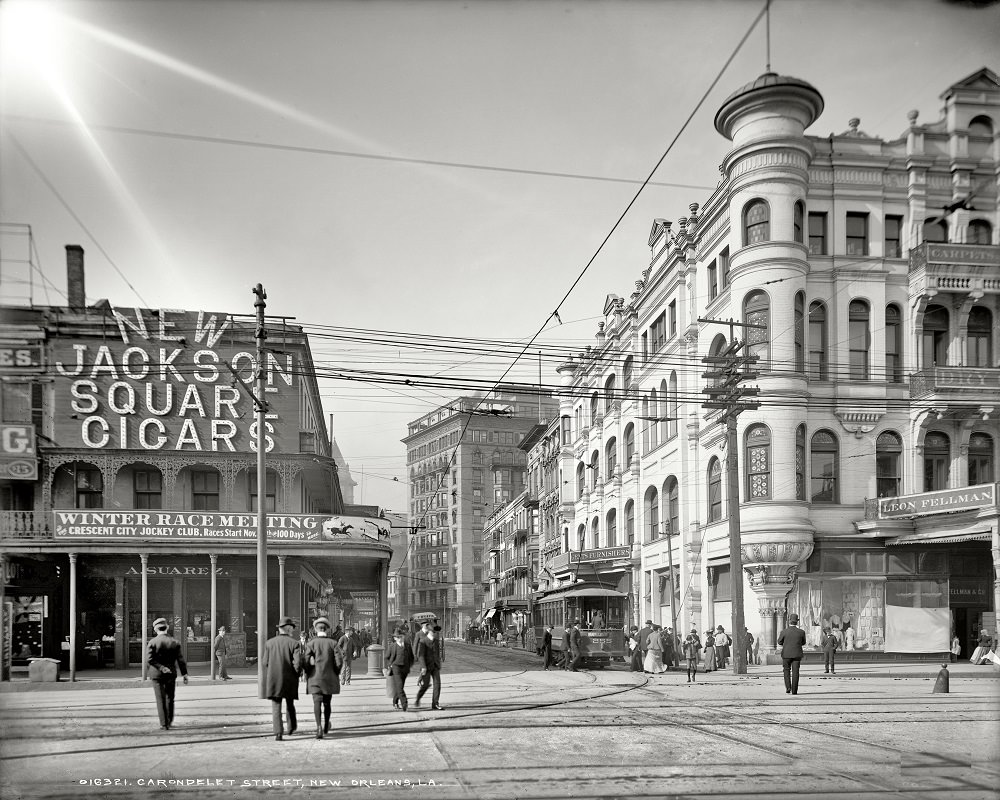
(355, 528)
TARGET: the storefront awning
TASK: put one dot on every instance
(931, 538)
(490, 613)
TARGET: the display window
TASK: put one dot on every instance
(853, 609)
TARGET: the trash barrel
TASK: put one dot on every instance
(375, 660)
(43, 670)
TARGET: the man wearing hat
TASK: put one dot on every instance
(323, 661)
(220, 653)
(282, 665)
(575, 645)
(428, 657)
(163, 661)
(691, 648)
(791, 640)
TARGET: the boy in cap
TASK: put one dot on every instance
(163, 661)
(791, 640)
(691, 647)
(282, 665)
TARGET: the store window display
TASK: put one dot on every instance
(853, 609)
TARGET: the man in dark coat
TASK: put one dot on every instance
(575, 645)
(323, 661)
(547, 647)
(220, 654)
(350, 646)
(398, 660)
(791, 640)
(429, 658)
(282, 665)
(163, 661)
(644, 639)
(567, 632)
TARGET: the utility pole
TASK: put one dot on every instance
(261, 407)
(728, 369)
(669, 533)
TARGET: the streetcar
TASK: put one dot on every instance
(602, 614)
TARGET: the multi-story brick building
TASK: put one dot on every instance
(463, 460)
(870, 269)
(140, 499)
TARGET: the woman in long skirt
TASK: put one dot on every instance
(708, 654)
(654, 653)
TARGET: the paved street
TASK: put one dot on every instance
(511, 730)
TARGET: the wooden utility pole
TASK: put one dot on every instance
(261, 408)
(728, 369)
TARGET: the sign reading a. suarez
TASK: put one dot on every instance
(173, 380)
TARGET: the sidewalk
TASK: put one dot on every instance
(199, 673)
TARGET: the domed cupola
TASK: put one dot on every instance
(771, 105)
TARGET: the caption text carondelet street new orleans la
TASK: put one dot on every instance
(133, 393)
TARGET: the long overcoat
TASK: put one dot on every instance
(322, 661)
(282, 665)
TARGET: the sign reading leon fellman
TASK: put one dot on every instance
(915, 505)
(212, 526)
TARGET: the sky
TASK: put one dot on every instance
(418, 184)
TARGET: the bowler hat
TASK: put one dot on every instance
(285, 621)
(160, 622)
(437, 628)
(649, 622)
(321, 621)
(793, 619)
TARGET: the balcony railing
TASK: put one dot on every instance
(25, 525)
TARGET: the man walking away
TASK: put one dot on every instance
(349, 646)
(567, 633)
(691, 648)
(429, 659)
(575, 645)
(322, 661)
(282, 665)
(791, 640)
(163, 661)
(829, 643)
(748, 645)
(220, 654)
(547, 647)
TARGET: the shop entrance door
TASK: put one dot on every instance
(968, 623)
(28, 629)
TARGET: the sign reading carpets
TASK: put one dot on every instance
(174, 380)
(215, 526)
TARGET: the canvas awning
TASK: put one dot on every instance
(934, 538)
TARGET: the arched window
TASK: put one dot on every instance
(581, 481)
(800, 462)
(651, 425)
(627, 374)
(629, 445)
(797, 221)
(981, 126)
(646, 416)
(595, 533)
(818, 358)
(612, 528)
(980, 337)
(800, 332)
(147, 485)
(652, 511)
(935, 231)
(567, 430)
(758, 462)
(595, 408)
(824, 467)
(609, 393)
(858, 340)
(673, 407)
(757, 311)
(888, 455)
(714, 490)
(981, 459)
(980, 232)
(935, 336)
(756, 222)
(611, 457)
(581, 538)
(937, 461)
(893, 344)
(663, 412)
(671, 494)
(630, 523)
(87, 482)
(595, 469)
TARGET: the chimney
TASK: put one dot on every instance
(76, 293)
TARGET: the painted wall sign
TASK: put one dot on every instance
(173, 380)
(603, 554)
(947, 500)
(19, 358)
(18, 459)
(215, 526)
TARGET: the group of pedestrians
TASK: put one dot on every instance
(572, 648)
(424, 651)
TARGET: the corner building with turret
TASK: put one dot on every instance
(869, 271)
